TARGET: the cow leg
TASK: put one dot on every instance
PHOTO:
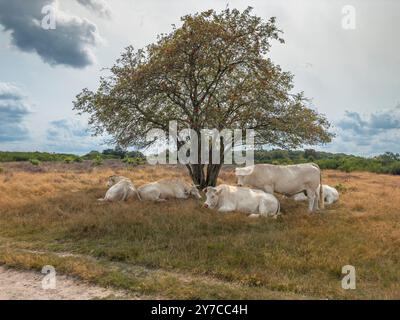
(316, 201)
(311, 199)
(269, 189)
(128, 193)
(155, 196)
(263, 208)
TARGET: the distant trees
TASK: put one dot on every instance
(310, 154)
(388, 162)
(117, 153)
(388, 157)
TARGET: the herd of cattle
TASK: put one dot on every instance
(300, 182)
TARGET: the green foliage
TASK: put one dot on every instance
(26, 156)
(6, 156)
(69, 159)
(118, 153)
(92, 155)
(134, 161)
(341, 188)
(34, 162)
(98, 161)
(388, 163)
(394, 168)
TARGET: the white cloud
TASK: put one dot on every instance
(13, 111)
(100, 7)
(72, 136)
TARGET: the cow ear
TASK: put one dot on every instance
(205, 190)
(218, 192)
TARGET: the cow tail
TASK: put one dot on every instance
(321, 191)
(138, 195)
(278, 211)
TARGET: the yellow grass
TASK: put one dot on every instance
(180, 250)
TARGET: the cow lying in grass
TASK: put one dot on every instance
(168, 189)
(120, 189)
(227, 198)
(330, 194)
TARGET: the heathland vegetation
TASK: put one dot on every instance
(35, 158)
(179, 249)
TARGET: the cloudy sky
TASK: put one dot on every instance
(349, 67)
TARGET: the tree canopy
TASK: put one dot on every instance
(212, 72)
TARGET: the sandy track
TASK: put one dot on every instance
(27, 285)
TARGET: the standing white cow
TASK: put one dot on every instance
(120, 189)
(227, 198)
(287, 180)
(166, 189)
(331, 195)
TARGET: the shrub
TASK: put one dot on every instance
(98, 161)
(68, 159)
(341, 188)
(395, 168)
(92, 155)
(1, 170)
(78, 159)
(34, 162)
(133, 161)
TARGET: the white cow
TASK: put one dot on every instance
(287, 180)
(120, 189)
(331, 195)
(226, 198)
(167, 189)
(115, 179)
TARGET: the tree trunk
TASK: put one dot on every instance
(201, 180)
(196, 171)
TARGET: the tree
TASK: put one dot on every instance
(118, 152)
(310, 154)
(211, 73)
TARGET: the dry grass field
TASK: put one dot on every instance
(180, 250)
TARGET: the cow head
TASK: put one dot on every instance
(212, 195)
(114, 180)
(242, 175)
(193, 191)
(111, 181)
(240, 180)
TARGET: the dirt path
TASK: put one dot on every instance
(27, 285)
